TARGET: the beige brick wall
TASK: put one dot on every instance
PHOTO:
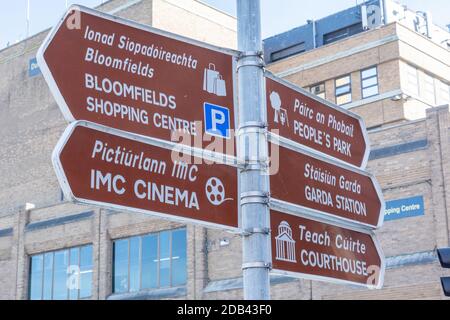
(193, 19)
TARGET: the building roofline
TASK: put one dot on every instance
(315, 20)
(216, 9)
(331, 44)
(22, 42)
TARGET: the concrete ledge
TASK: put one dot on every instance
(373, 99)
(59, 221)
(413, 259)
(444, 108)
(237, 283)
(155, 294)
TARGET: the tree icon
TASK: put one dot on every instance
(280, 113)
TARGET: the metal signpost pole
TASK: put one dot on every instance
(253, 154)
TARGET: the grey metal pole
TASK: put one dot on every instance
(253, 154)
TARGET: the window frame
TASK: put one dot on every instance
(343, 33)
(68, 250)
(409, 76)
(336, 88)
(377, 85)
(158, 269)
(428, 82)
(442, 92)
(442, 96)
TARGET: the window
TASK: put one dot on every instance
(412, 84)
(148, 262)
(342, 33)
(427, 90)
(288, 52)
(343, 90)
(318, 90)
(369, 82)
(62, 275)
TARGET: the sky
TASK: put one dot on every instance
(277, 15)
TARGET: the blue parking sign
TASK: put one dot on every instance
(33, 68)
(217, 120)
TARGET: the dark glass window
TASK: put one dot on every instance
(342, 33)
(288, 52)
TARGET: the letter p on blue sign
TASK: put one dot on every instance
(217, 120)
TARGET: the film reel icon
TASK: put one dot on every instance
(215, 191)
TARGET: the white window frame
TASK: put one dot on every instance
(412, 80)
(376, 85)
(349, 92)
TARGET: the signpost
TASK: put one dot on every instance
(314, 250)
(253, 154)
(301, 118)
(138, 79)
(104, 167)
(321, 187)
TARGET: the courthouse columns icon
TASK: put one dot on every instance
(285, 243)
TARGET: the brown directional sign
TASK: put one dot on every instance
(101, 166)
(305, 119)
(315, 250)
(307, 184)
(138, 79)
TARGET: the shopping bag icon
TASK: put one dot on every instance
(213, 81)
(220, 87)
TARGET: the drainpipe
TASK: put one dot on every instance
(314, 32)
(383, 7)
(429, 19)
